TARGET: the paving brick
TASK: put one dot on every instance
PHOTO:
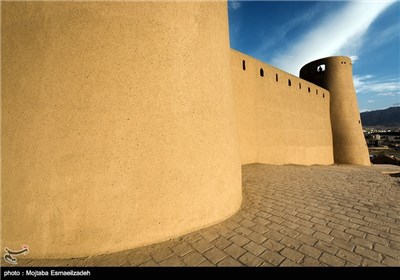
(239, 240)
(182, 249)
(263, 214)
(261, 221)
(326, 247)
(274, 235)
(173, 261)
(368, 253)
(231, 225)
(255, 248)
(291, 242)
(289, 263)
(355, 232)
(276, 219)
(323, 236)
(202, 245)
(362, 242)
(229, 262)
(385, 250)
(250, 260)
(205, 263)
(290, 224)
(162, 254)
(310, 262)
(323, 229)
(337, 226)
(234, 251)
(394, 245)
(390, 261)
(221, 242)
(243, 230)
(369, 230)
(377, 239)
(247, 223)
(331, 260)
(340, 234)
(214, 255)
(256, 237)
(310, 251)
(193, 258)
(305, 230)
(369, 262)
(347, 245)
(389, 236)
(273, 245)
(349, 225)
(307, 239)
(289, 232)
(272, 257)
(227, 233)
(292, 254)
(274, 226)
(349, 256)
(260, 229)
(149, 263)
(358, 221)
(305, 223)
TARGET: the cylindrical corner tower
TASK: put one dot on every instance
(335, 74)
(118, 124)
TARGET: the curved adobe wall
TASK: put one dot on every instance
(279, 123)
(118, 124)
(348, 141)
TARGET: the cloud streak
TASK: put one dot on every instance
(342, 30)
(234, 5)
(368, 84)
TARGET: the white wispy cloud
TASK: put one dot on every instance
(385, 36)
(354, 58)
(341, 31)
(234, 5)
(369, 84)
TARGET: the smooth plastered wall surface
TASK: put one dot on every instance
(280, 123)
(348, 139)
(118, 124)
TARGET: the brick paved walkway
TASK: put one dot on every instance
(291, 216)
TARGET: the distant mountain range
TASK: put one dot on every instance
(388, 117)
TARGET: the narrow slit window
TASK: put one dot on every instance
(276, 77)
(289, 82)
(316, 91)
(261, 72)
(299, 85)
(309, 90)
(244, 65)
(323, 95)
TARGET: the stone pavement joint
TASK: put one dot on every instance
(291, 215)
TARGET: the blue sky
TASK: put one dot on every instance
(290, 34)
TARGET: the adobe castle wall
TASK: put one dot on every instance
(118, 124)
(282, 119)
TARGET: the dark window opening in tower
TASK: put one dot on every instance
(309, 90)
(323, 95)
(289, 82)
(244, 65)
(299, 85)
(316, 91)
(321, 68)
(276, 77)
(261, 72)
